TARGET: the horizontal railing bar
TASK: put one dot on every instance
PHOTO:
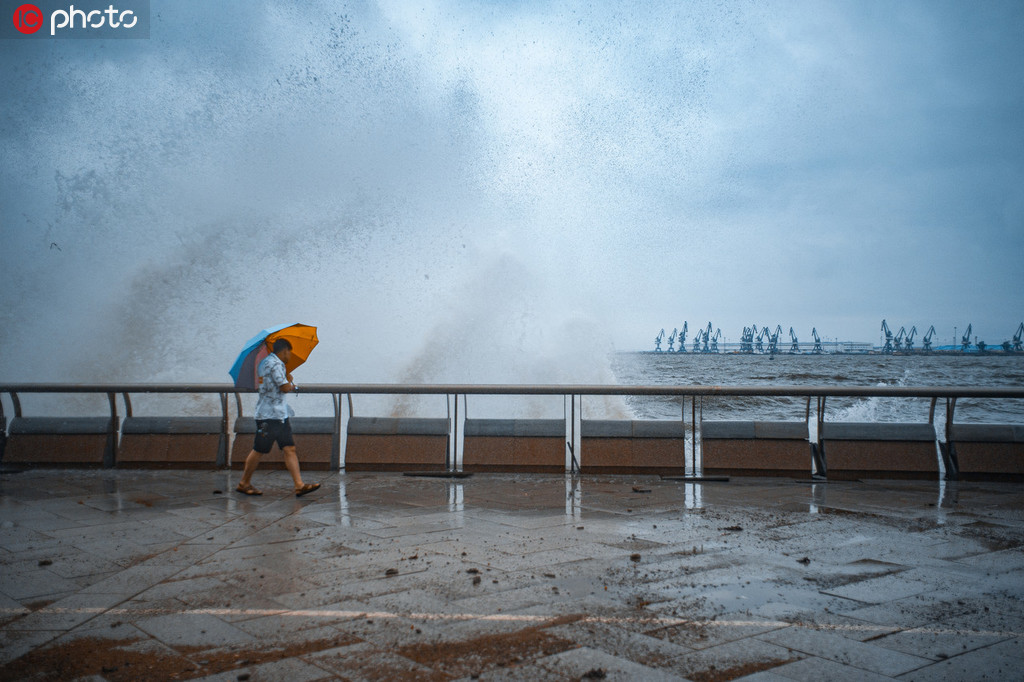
(546, 389)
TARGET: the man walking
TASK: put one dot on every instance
(272, 421)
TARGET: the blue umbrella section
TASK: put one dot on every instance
(243, 372)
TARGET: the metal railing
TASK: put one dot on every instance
(696, 394)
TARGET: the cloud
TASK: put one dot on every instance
(797, 164)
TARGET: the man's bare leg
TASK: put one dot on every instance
(251, 462)
(291, 462)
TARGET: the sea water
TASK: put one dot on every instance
(821, 370)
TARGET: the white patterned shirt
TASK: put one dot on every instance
(272, 403)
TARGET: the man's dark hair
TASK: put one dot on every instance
(282, 344)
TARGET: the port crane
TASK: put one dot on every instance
(696, 340)
(762, 335)
(773, 342)
(887, 348)
(682, 339)
(714, 340)
(707, 337)
(1017, 340)
(817, 341)
(965, 340)
(908, 343)
(794, 347)
(658, 340)
(897, 343)
(747, 340)
(926, 342)
(672, 340)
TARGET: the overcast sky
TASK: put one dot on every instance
(505, 191)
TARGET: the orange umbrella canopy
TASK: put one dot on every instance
(303, 340)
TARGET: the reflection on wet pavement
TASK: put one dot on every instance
(171, 575)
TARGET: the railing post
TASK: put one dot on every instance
(693, 433)
(450, 454)
(818, 460)
(225, 434)
(336, 438)
(950, 460)
(3, 430)
(574, 465)
(110, 454)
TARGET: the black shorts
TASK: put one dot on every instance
(269, 431)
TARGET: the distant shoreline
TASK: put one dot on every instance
(988, 352)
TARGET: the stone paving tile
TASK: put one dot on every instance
(69, 509)
(551, 558)
(263, 580)
(705, 633)
(1002, 661)
(132, 580)
(576, 663)
(882, 590)
(851, 628)
(639, 648)
(34, 583)
(996, 562)
(122, 551)
(1005, 618)
(292, 528)
(131, 611)
(1011, 648)
(814, 669)
(231, 604)
(11, 609)
(79, 564)
(913, 611)
(31, 547)
(68, 612)
(938, 641)
(39, 520)
(731, 659)
(177, 587)
(526, 672)
(365, 662)
(292, 670)
(16, 643)
(313, 598)
(846, 651)
(287, 627)
(766, 676)
(389, 631)
(505, 601)
(192, 629)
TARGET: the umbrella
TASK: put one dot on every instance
(303, 340)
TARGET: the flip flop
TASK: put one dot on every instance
(307, 488)
(248, 490)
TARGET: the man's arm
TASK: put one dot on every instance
(284, 382)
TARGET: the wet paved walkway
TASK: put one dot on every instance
(123, 575)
